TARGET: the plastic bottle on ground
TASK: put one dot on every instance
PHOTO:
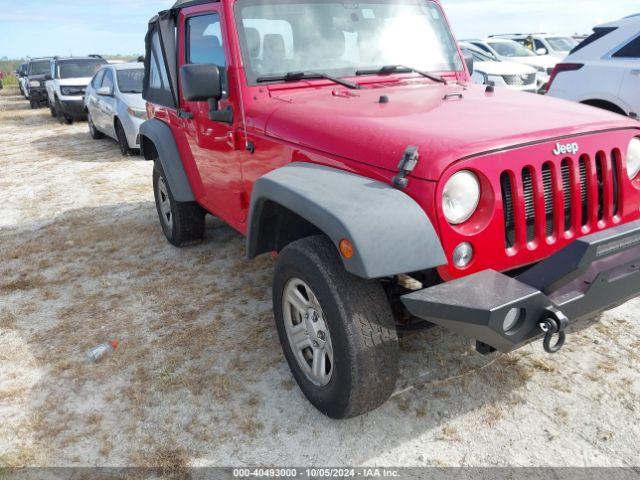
(101, 351)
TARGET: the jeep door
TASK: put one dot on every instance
(202, 40)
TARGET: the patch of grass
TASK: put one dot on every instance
(8, 320)
(449, 434)
(543, 365)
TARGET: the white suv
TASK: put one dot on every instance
(604, 70)
(488, 69)
(544, 43)
(67, 83)
(511, 51)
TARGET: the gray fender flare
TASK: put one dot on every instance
(389, 230)
(160, 135)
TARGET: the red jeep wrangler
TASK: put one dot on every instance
(347, 137)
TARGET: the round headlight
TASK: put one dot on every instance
(633, 158)
(460, 197)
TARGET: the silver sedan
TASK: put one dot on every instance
(115, 107)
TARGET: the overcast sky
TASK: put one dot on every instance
(62, 27)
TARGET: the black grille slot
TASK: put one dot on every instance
(549, 205)
(583, 192)
(616, 187)
(566, 191)
(507, 202)
(529, 203)
(600, 178)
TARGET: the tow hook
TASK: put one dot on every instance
(554, 324)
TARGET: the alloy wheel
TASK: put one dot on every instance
(165, 204)
(308, 332)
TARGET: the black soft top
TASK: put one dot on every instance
(189, 3)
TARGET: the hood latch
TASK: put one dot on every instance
(405, 167)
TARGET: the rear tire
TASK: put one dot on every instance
(182, 222)
(93, 131)
(33, 104)
(360, 375)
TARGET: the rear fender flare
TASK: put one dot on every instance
(390, 232)
(157, 143)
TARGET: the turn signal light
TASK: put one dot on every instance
(346, 248)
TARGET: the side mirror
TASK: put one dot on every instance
(203, 83)
(541, 51)
(468, 59)
(105, 92)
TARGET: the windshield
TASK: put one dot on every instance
(39, 68)
(340, 38)
(130, 81)
(511, 49)
(477, 55)
(562, 44)
(79, 68)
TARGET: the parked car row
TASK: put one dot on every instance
(89, 88)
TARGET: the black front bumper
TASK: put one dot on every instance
(593, 274)
(73, 108)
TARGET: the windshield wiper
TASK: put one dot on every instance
(389, 69)
(297, 76)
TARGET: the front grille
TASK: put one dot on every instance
(558, 197)
(519, 80)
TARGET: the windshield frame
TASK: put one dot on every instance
(494, 42)
(252, 76)
(551, 41)
(31, 64)
(125, 70)
(99, 63)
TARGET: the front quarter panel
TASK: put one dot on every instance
(390, 232)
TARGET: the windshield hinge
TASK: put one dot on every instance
(405, 167)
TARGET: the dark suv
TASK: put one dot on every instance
(38, 72)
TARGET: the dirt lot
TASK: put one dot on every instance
(200, 379)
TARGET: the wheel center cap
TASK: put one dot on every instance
(315, 327)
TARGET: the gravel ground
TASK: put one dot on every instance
(199, 379)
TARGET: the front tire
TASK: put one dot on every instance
(336, 330)
(62, 117)
(182, 222)
(123, 143)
